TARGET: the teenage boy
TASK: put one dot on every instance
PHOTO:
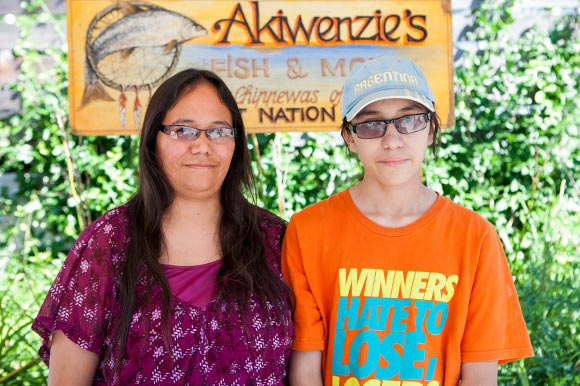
(395, 284)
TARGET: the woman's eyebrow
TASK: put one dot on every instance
(187, 121)
(179, 121)
(225, 123)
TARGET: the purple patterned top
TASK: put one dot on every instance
(83, 303)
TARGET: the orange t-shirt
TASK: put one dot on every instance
(400, 306)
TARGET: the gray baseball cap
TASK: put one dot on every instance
(385, 77)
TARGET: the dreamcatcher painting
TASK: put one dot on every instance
(131, 47)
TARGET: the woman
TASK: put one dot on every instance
(396, 284)
(181, 285)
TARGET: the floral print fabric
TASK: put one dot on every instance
(205, 350)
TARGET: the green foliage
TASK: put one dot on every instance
(299, 169)
(513, 156)
(63, 183)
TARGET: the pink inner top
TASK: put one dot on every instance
(195, 284)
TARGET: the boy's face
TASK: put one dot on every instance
(394, 159)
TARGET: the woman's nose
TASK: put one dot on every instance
(201, 145)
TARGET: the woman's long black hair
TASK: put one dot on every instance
(245, 269)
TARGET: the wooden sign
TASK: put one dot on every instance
(285, 61)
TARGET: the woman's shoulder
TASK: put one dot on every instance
(81, 300)
(273, 230)
(270, 221)
(112, 218)
(109, 231)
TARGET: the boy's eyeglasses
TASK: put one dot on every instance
(404, 125)
(186, 133)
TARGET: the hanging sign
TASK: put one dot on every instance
(285, 61)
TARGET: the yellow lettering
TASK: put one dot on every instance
(434, 286)
(449, 288)
(381, 285)
(378, 78)
(402, 285)
(353, 283)
(356, 88)
(370, 281)
(372, 382)
(351, 382)
(385, 75)
(419, 285)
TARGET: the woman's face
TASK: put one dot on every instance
(196, 169)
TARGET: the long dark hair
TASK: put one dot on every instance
(245, 269)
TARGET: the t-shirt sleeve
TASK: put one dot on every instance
(495, 328)
(80, 300)
(308, 325)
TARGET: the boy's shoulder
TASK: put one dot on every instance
(463, 215)
(324, 210)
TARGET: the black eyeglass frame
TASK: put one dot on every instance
(394, 120)
(165, 130)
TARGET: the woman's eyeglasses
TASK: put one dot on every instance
(186, 133)
(404, 125)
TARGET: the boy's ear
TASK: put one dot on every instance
(347, 136)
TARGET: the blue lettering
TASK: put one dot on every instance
(390, 355)
(399, 314)
(372, 340)
(431, 369)
(422, 306)
(411, 355)
(432, 327)
(338, 367)
(368, 315)
(386, 305)
(345, 312)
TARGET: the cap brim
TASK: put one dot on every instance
(388, 94)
